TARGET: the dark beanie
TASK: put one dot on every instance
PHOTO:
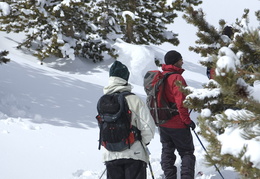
(228, 30)
(119, 70)
(172, 57)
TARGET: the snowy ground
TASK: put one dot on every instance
(47, 119)
(47, 115)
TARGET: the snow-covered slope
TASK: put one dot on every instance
(47, 120)
(48, 128)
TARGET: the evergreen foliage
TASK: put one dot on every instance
(226, 104)
(56, 28)
(73, 28)
(141, 22)
(3, 58)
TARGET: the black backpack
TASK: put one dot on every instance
(159, 107)
(114, 120)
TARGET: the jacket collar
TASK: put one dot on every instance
(116, 84)
(172, 68)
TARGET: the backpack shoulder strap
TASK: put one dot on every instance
(166, 75)
(126, 93)
(123, 97)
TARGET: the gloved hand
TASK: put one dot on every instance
(192, 125)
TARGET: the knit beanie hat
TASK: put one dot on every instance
(119, 70)
(228, 30)
(172, 57)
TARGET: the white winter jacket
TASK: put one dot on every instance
(141, 118)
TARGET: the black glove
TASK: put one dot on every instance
(192, 125)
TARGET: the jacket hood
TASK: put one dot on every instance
(172, 68)
(116, 84)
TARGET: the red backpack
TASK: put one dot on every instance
(160, 108)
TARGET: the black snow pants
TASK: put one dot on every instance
(126, 169)
(180, 139)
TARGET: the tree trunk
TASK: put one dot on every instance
(130, 23)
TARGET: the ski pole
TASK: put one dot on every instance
(103, 173)
(207, 153)
(149, 164)
(151, 170)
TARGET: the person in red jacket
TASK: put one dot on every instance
(175, 134)
(228, 31)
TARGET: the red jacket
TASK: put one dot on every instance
(174, 95)
(212, 73)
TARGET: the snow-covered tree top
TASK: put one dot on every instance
(4, 9)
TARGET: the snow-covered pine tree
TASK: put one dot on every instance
(3, 58)
(60, 28)
(79, 30)
(229, 110)
(140, 22)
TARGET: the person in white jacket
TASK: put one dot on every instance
(130, 163)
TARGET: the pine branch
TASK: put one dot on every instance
(3, 59)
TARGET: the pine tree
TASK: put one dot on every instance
(225, 103)
(73, 28)
(140, 22)
(3, 58)
(56, 28)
